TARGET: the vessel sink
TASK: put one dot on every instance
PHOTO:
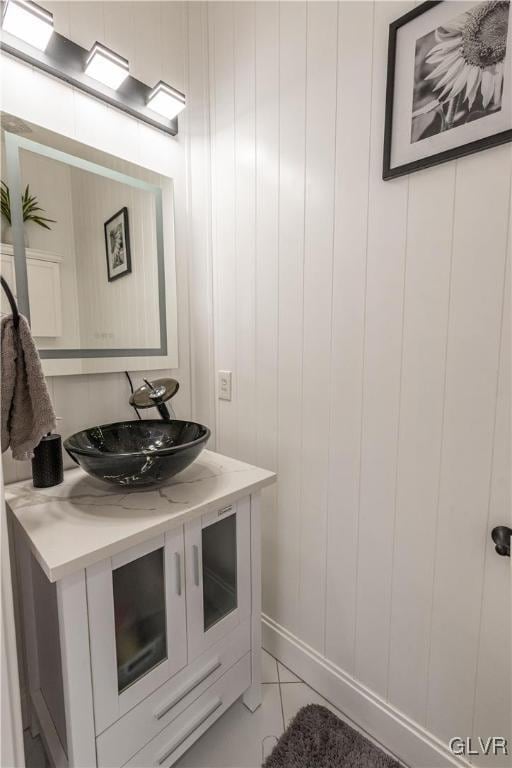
(137, 453)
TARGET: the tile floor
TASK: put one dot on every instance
(238, 739)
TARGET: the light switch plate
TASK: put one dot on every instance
(224, 385)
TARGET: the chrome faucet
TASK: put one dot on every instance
(155, 394)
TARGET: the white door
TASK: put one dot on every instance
(218, 565)
(137, 624)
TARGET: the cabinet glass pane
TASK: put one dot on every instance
(219, 570)
(139, 606)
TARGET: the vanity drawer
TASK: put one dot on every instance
(174, 740)
(122, 739)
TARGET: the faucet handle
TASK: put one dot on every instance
(157, 392)
(153, 393)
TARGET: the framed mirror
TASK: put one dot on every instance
(88, 249)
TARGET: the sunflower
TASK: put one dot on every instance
(469, 55)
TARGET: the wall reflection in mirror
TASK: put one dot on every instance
(93, 243)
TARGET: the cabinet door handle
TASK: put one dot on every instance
(177, 568)
(189, 729)
(195, 558)
(189, 686)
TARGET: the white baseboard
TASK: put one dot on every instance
(409, 741)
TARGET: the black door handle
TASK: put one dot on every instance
(501, 537)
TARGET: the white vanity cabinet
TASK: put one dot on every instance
(218, 560)
(135, 649)
(137, 624)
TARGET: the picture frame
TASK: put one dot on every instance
(439, 104)
(117, 245)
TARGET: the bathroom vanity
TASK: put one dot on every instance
(141, 609)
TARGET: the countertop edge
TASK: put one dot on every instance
(59, 572)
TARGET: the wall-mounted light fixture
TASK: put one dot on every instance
(166, 100)
(106, 66)
(27, 34)
(29, 22)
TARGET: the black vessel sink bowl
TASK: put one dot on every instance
(137, 453)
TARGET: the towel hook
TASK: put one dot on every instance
(12, 302)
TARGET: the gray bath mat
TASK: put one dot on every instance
(318, 739)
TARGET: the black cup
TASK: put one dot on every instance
(47, 467)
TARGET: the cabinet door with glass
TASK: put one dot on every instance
(137, 624)
(218, 564)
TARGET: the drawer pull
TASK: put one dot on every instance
(193, 683)
(225, 510)
(195, 556)
(189, 729)
(177, 566)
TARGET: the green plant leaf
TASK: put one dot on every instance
(42, 223)
(5, 202)
(30, 207)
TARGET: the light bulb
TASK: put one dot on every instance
(106, 66)
(29, 22)
(165, 100)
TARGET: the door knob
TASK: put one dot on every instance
(501, 537)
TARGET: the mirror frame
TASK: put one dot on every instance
(73, 361)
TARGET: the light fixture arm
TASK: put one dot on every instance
(67, 60)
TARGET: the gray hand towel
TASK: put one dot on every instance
(27, 411)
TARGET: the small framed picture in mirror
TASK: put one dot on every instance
(117, 244)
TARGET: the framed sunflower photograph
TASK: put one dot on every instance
(449, 83)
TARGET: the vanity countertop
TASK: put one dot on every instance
(82, 521)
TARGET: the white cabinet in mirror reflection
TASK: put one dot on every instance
(44, 289)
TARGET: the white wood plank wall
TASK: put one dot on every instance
(363, 322)
(367, 327)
